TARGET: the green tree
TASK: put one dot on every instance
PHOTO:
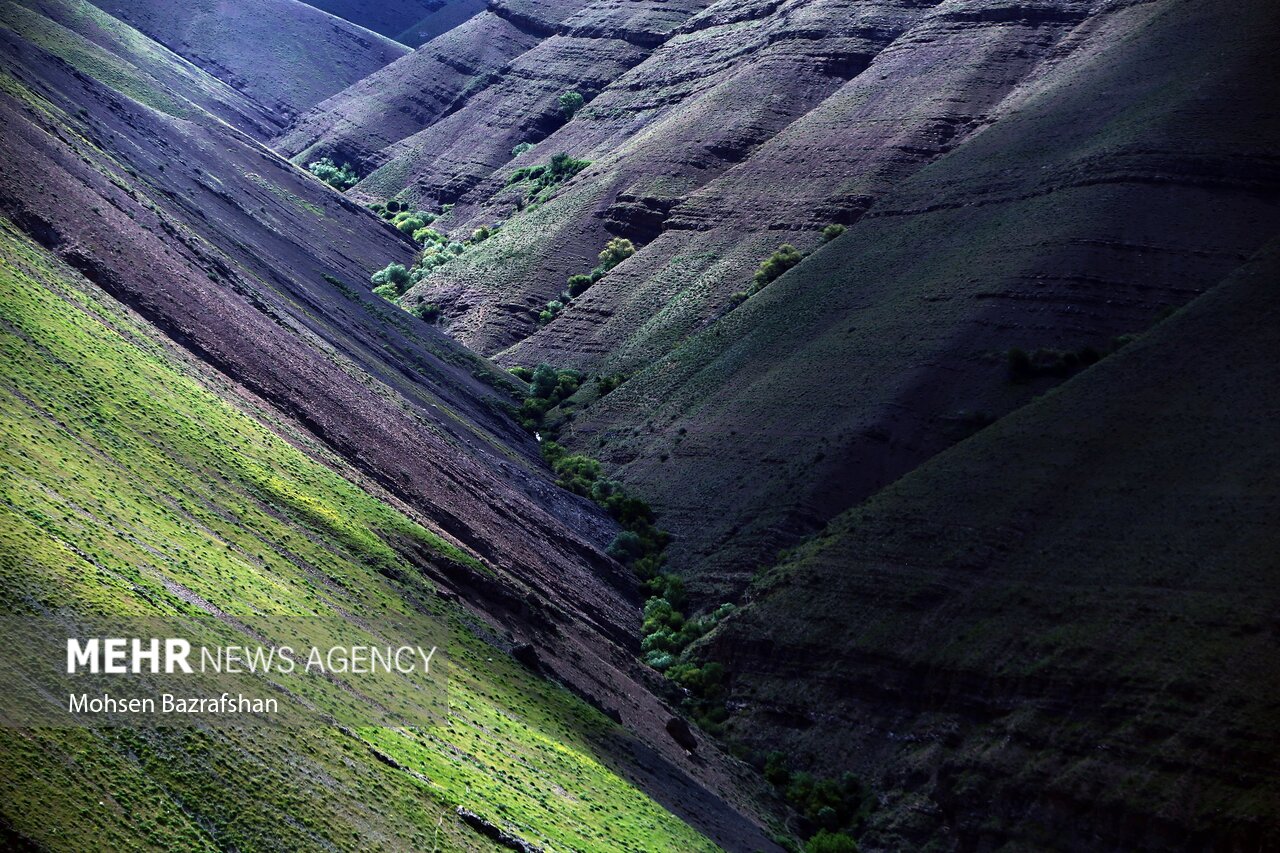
(570, 102)
(776, 264)
(832, 231)
(339, 177)
(394, 277)
(615, 252)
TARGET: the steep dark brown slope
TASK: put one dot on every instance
(357, 124)
(95, 42)
(1062, 633)
(410, 22)
(722, 83)
(224, 247)
(1074, 218)
(283, 54)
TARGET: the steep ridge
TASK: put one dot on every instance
(1061, 633)
(96, 43)
(1071, 220)
(358, 123)
(410, 22)
(285, 55)
(702, 101)
(256, 271)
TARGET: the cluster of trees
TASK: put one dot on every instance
(339, 177)
(832, 808)
(1024, 367)
(392, 281)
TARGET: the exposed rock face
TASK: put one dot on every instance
(682, 734)
(283, 54)
(496, 833)
(1060, 634)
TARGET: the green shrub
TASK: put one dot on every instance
(578, 284)
(830, 842)
(545, 178)
(544, 380)
(615, 252)
(393, 279)
(339, 177)
(570, 102)
(626, 547)
(521, 373)
(605, 384)
(428, 311)
(775, 265)
(520, 149)
(832, 231)
(481, 234)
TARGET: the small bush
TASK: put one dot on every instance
(615, 252)
(775, 265)
(578, 284)
(830, 842)
(570, 102)
(520, 149)
(626, 548)
(428, 311)
(481, 234)
(339, 177)
(832, 231)
(605, 384)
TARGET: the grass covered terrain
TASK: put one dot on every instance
(131, 486)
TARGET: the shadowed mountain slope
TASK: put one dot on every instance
(410, 22)
(1061, 633)
(359, 124)
(283, 54)
(1074, 218)
(250, 274)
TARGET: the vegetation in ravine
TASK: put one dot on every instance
(1025, 367)
(392, 281)
(128, 485)
(667, 633)
(570, 102)
(340, 177)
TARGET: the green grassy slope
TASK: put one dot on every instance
(1062, 630)
(131, 486)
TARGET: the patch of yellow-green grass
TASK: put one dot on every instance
(129, 488)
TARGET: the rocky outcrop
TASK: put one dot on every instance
(496, 833)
